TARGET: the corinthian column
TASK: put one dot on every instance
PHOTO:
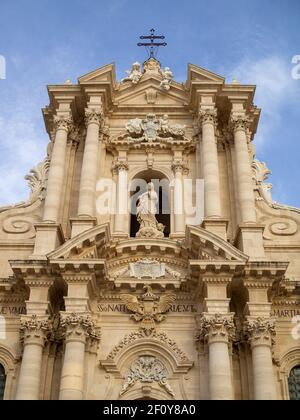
(208, 121)
(77, 329)
(86, 207)
(240, 124)
(218, 330)
(34, 331)
(57, 169)
(260, 333)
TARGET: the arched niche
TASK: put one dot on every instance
(158, 346)
(138, 185)
(8, 363)
(288, 362)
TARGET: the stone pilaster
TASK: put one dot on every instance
(78, 328)
(260, 333)
(34, 332)
(218, 331)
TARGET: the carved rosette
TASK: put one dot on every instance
(147, 369)
(63, 123)
(260, 331)
(77, 327)
(93, 116)
(216, 328)
(35, 330)
(208, 116)
(239, 122)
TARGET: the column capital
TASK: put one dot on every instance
(239, 122)
(94, 116)
(63, 122)
(35, 329)
(119, 166)
(78, 327)
(260, 331)
(216, 328)
(208, 116)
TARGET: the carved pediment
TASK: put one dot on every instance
(199, 74)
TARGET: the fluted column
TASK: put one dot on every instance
(208, 121)
(178, 204)
(57, 169)
(77, 327)
(218, 330)
(86, 206)
(240, 124)
(260, 333)
(121, 168)
(34, 331)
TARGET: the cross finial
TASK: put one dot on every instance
(152, 46)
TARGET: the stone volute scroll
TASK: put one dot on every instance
(149, 309)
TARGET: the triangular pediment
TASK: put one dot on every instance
(201, 75)
(104, 74)
(149, 92)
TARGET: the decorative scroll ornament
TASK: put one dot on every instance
(63, 122)
(152, 129)
(147, 369)
(260, 175)
(160, 337)
(260, 330)
(149, 309)
(216, 327)
(134, 75)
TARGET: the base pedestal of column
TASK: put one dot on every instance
(82, 224)
(49, 236)
(249, 239)
(217, 226)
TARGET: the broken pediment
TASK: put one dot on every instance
(101, 75)
(199, 74)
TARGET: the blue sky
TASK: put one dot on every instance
(50, 41)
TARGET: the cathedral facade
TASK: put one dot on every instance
(150, 260)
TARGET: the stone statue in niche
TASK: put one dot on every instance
(134, 75)
(146, 211)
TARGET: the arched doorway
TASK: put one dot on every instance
(2, 381)
(294, 384)
(162, 187)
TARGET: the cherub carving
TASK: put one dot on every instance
(149, 309)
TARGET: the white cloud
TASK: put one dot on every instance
(276, 90)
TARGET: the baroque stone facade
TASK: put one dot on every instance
(99, 302)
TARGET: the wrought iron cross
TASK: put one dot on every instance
(152, 45)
